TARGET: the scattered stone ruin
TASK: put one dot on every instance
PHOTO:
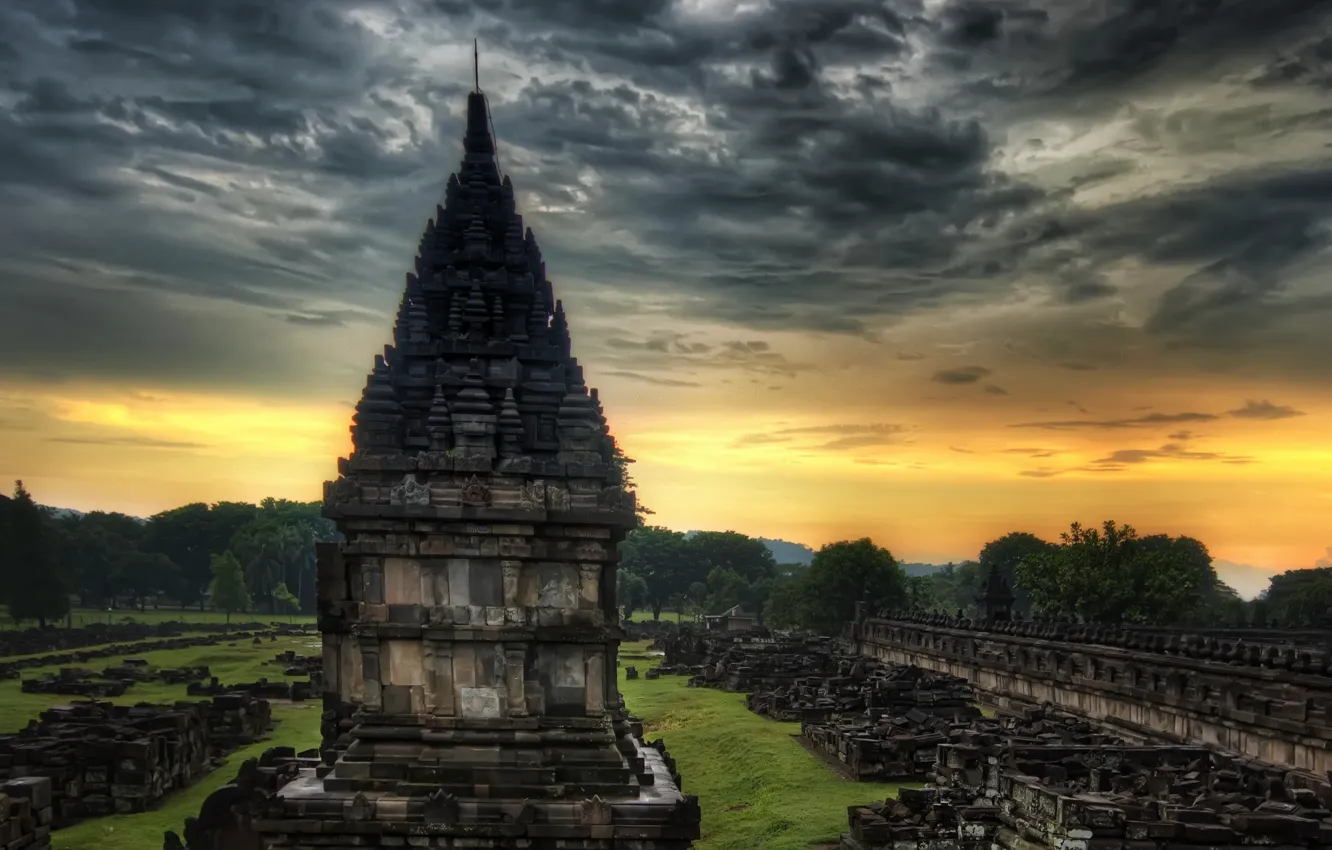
(1020, 796)
(468, 619)
(100, 759)
(38, 641)
(12, 668)
(903, 747)
(26, 814)
(110, 682)
(1260, 700)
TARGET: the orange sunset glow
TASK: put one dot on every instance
(999, 291)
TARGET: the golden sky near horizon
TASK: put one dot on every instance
(929, 273)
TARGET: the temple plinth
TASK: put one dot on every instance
(469, 618)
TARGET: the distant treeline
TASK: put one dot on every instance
(1108, 574)
(49, 559)
(235, 556)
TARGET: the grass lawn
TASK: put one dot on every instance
(88, 616)
(756, 785)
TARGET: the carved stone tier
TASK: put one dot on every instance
(468, 615)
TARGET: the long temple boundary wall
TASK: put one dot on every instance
(1278, 716)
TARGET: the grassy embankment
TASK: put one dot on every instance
(756, 785)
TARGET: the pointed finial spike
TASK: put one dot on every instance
(476, 67)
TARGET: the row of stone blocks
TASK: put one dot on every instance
(110, 682)
(51, 640)
(12, 669)
(101, 759)
(1262, 649)
(1024, 796)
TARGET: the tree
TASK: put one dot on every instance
(658, 556)
(190, 535)
(787, 603)
(845, 573)
(228, 586)
(1113, 576)
(285, 600)
(30, 576)
(631, 591)
(620, 461)
(143, 574)
(1299, 597)
(1006, 553)
(745, 556)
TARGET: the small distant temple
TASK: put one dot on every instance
(731, 620)
(995, 601)
(469, 619)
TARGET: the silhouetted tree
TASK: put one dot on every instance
(659, 557)
(1111, 575)
(30, 575)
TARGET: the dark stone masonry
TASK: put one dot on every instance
(469, 618)
(1259, 699)
(990, 795)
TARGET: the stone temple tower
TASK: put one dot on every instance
(469, 617)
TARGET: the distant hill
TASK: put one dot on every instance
(1248, 580)
(921, 569)
(786, 552)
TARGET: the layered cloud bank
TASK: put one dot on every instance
(926, 270)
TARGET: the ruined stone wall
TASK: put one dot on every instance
(1276, 710)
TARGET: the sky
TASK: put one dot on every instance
(927, 271)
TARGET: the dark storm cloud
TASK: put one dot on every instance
(961, 375)
(652, 379)
(1265, 410)
(1136, 422)
(845, 436)
(769, 169)
(667, 352)
(134, 442)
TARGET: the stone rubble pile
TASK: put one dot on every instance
(263, 688)
(890, 747)
(26, 815)
(865, 686)
(1022, 795)
(103, 759)
(72, 681)
(11, 669)
(301, 665)
(110, 682)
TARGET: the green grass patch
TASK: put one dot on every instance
(756, 785)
